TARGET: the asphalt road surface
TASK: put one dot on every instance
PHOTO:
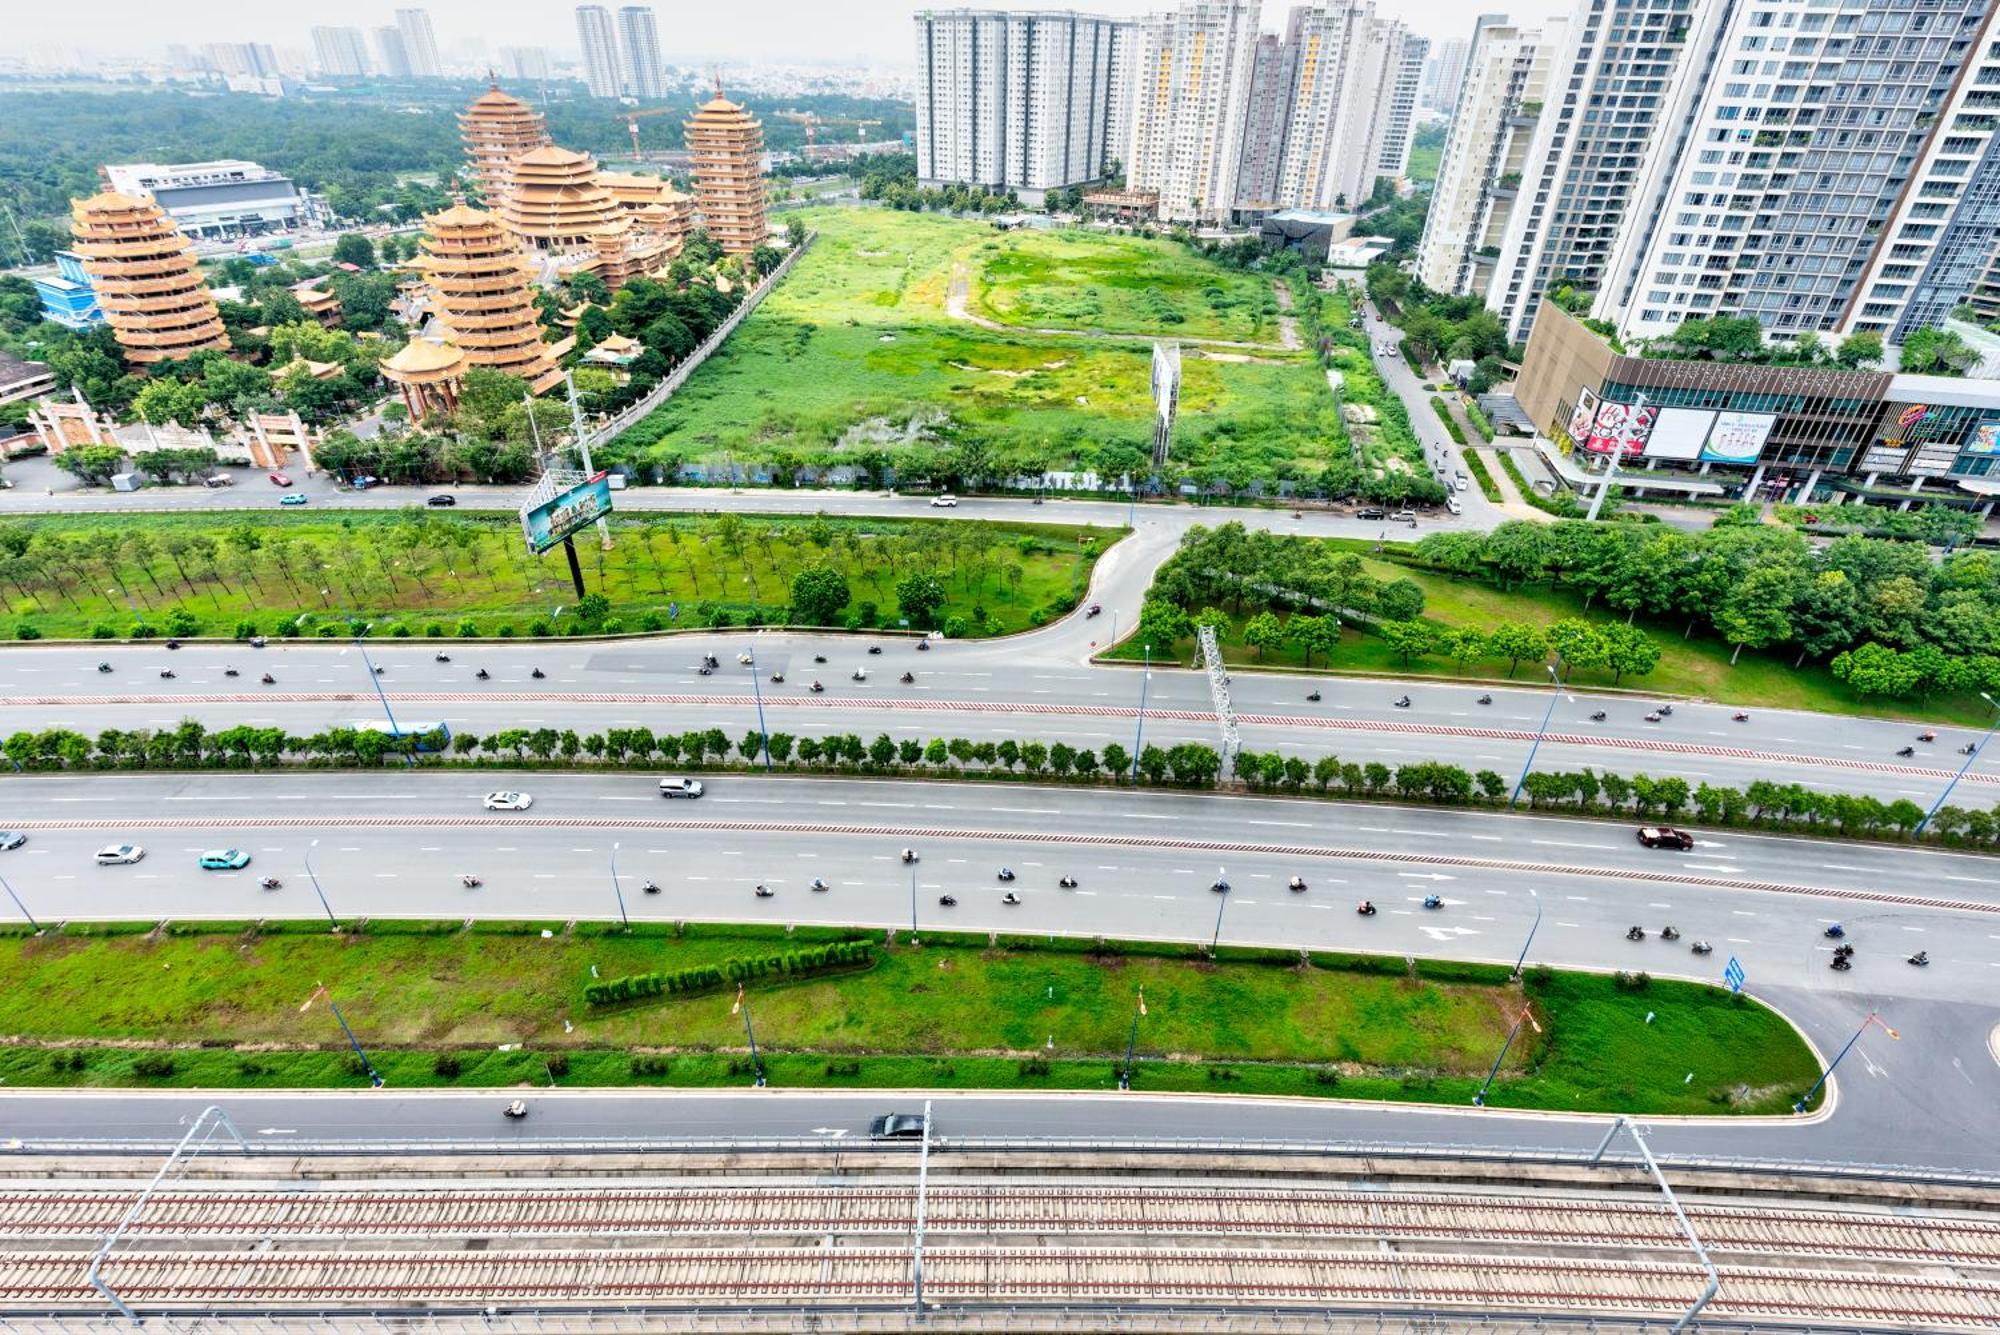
(1145, 862)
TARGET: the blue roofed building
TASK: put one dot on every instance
(68, 297)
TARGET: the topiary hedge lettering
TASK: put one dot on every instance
(736, 969)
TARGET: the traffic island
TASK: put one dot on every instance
(443, 1005)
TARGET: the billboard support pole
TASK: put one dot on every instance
(583, 448)
(575, 570)
(1611, 467)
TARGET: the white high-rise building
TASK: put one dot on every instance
(1267, 114)
(391, 55)
(1608, 83)
(419, 43)
(1485, 154)
(599, 39)
(1191, 78)
(1026, 101)
(1794, 140)
(639, 39)
(525, 62)
(1396, 114)
(1445, 70)
(340, 53)
(1328, 125)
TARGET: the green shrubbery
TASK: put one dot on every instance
(736, 969)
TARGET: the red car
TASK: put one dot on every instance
(280, 480)
(1665, 836)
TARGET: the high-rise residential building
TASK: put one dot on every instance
(727, 145)
(340, 53)
(1190, 79)
(1273, 70)
(639, 40)
(599, 39)
(391, 56)
(147, 281)
(1608, 83)
(256, 59)
(1791, 138)
(524, 62)
(1024, 101)
(1396, 114)
(419, 43)
(1332, 105)
(497, 130)
(1444, 71)
(1485, 153)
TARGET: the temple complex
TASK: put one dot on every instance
(727, 145)
(429, 374)
(146, 279)
(556, 201)
(497, 129)
(484, 293)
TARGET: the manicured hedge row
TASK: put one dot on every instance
(736, 969)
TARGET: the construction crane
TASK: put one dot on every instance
(812, 120)
(632, 119)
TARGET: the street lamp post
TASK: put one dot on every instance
(758, 687)
(19, 905)
(313, 876)
(1970, 757)
(756, 1062)
(1139, 737)
(1533, 928)
(1479, 1099)
(374, 1076)
(375, 679)
(1131, 1041)
(1547, 714)
(1220, 880)
(618, 890)
(913, 901)
(1827, 1074)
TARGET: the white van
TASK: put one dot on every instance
(1452, 504)
(680, 787)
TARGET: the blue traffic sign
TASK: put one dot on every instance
(1732, 974)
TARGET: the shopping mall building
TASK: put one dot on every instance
(1722, 430)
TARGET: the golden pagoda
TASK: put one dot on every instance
(556, 202)
(727, 146)
(147, 282)
(656, 209)
(429, 374)
(498, 128)
(484, 293)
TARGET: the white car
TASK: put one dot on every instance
(508, 801)
(119, 854)
(944, 502)
(675, 787)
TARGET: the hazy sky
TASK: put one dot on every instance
(877, 31)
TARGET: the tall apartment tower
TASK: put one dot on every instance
(1191, 76)
(1791, 136)
(420, 43)
(1608, 84)
(147, 281)
(340, 53)
(1485, 154)
(391, 54)
(525, 62)
(1444, 72)
(639, 39)
(599, 39)
(1267, 115)
(1396, 114)
(727, 145)
(1025, 101)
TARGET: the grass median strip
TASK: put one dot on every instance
(435, 1004)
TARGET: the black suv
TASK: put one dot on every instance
(1371, 512)
(897, 1126)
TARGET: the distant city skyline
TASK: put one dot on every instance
(874, 31)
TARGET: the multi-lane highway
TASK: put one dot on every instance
(1145, 863)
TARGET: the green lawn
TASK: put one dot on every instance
(954, 1012)
(1697, 667)
(80, 573)
(853, 358)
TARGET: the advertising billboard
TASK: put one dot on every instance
(1582, 416)
(548, 522)
(1738, 438)
(1884, 459)
(1934, 460)
(1621, 428)
(1679, 433)
(1985, 439)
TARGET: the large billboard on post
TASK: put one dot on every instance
(1620, 428)
(1738, 438)
(1679, 433)
(548, 522)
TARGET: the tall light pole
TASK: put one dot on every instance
(1131, 1040)
(1533, 928)
(1611, 464)
(374, 1076)
(1223, 895)
(758, 687)
(375, 678)
(756, 1062)
(19, 905)
(913, 901)
(1479, 1099)
(313, 876)
(1547, 714)
(1827, 1074)
(617, 889)
(1139, 737)
(1971, 756)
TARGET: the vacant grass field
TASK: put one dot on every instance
(954, 1012)
(78, 574)
(854, 356)
(1697, 667)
